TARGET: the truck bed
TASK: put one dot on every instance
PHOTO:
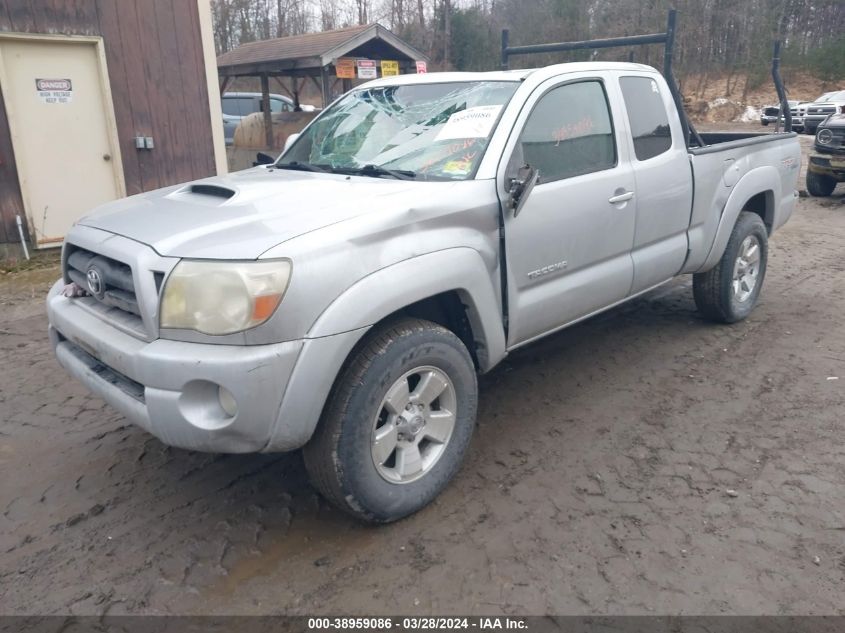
(720, 169)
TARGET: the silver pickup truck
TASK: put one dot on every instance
(344, 298)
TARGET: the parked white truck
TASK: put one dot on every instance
(344, 298)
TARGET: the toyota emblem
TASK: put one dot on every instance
(95, 282)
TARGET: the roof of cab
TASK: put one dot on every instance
(505, 75)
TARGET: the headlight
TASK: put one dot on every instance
(215, 297)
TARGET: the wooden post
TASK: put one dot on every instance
(326, 86)
(265, 108)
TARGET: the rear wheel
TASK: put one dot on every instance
(820, 184)
(729, 291)
(397, 424)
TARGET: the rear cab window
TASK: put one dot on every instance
(647, 116)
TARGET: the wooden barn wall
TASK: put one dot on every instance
(157, 73)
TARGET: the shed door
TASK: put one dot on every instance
(61, 131)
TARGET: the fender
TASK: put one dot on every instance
(461, 269)
(349, 317)
(762, 179)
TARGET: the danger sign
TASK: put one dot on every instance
(54, 90)
(367, 69)
(422, 68)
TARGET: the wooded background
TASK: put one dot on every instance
(730, 38)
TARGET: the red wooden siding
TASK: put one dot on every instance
(157, 74)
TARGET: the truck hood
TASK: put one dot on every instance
(241, 215)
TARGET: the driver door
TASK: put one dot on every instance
(569, 247)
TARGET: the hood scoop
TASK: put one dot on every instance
(217, 191)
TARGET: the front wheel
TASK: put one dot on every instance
(729, 291)
(820, 184)
(397, 424)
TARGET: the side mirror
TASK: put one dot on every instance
(263, 159)
(520, 187)
(290, 140)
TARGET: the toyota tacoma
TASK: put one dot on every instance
(344, 298)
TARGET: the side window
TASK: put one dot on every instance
(279, 105)
(647, 115)
(230, 106)
(568, 133)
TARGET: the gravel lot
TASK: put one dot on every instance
(597, 482)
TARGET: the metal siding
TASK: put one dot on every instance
(156, 71)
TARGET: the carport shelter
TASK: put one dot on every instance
(313, 56)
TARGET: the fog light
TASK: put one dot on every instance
(227, 401)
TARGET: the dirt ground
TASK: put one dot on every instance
(597, 482)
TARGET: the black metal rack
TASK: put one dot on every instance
(784, 103)
(666, 38)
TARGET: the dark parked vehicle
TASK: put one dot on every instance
(827, 163)
(237, 105)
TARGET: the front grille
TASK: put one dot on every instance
(821, 110)
(107, 280)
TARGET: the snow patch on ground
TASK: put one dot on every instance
(751, 114)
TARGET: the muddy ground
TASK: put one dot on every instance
(597, 481)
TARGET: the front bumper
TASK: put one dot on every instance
(171, 388)
(832, 164)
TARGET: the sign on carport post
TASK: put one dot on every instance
(345, 68)
(367, 69)
(422, 68)
(389, 68)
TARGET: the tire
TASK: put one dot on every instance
(717, 296)
(764, 122)
(341, 456)
(820, 184)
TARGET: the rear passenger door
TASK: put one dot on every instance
(663, 178)
(569, 249)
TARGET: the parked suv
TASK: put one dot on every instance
(237, 105)
(827, 163)
(823, 107)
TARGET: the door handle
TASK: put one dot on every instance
(622, 197)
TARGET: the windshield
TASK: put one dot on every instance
(421, 131)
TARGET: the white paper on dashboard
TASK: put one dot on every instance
(470, 123)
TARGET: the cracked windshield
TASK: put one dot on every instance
(421, 131)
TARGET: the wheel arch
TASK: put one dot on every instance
(453, 288)
(758, 191)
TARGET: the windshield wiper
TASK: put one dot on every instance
(378, 170)
(301, 167)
